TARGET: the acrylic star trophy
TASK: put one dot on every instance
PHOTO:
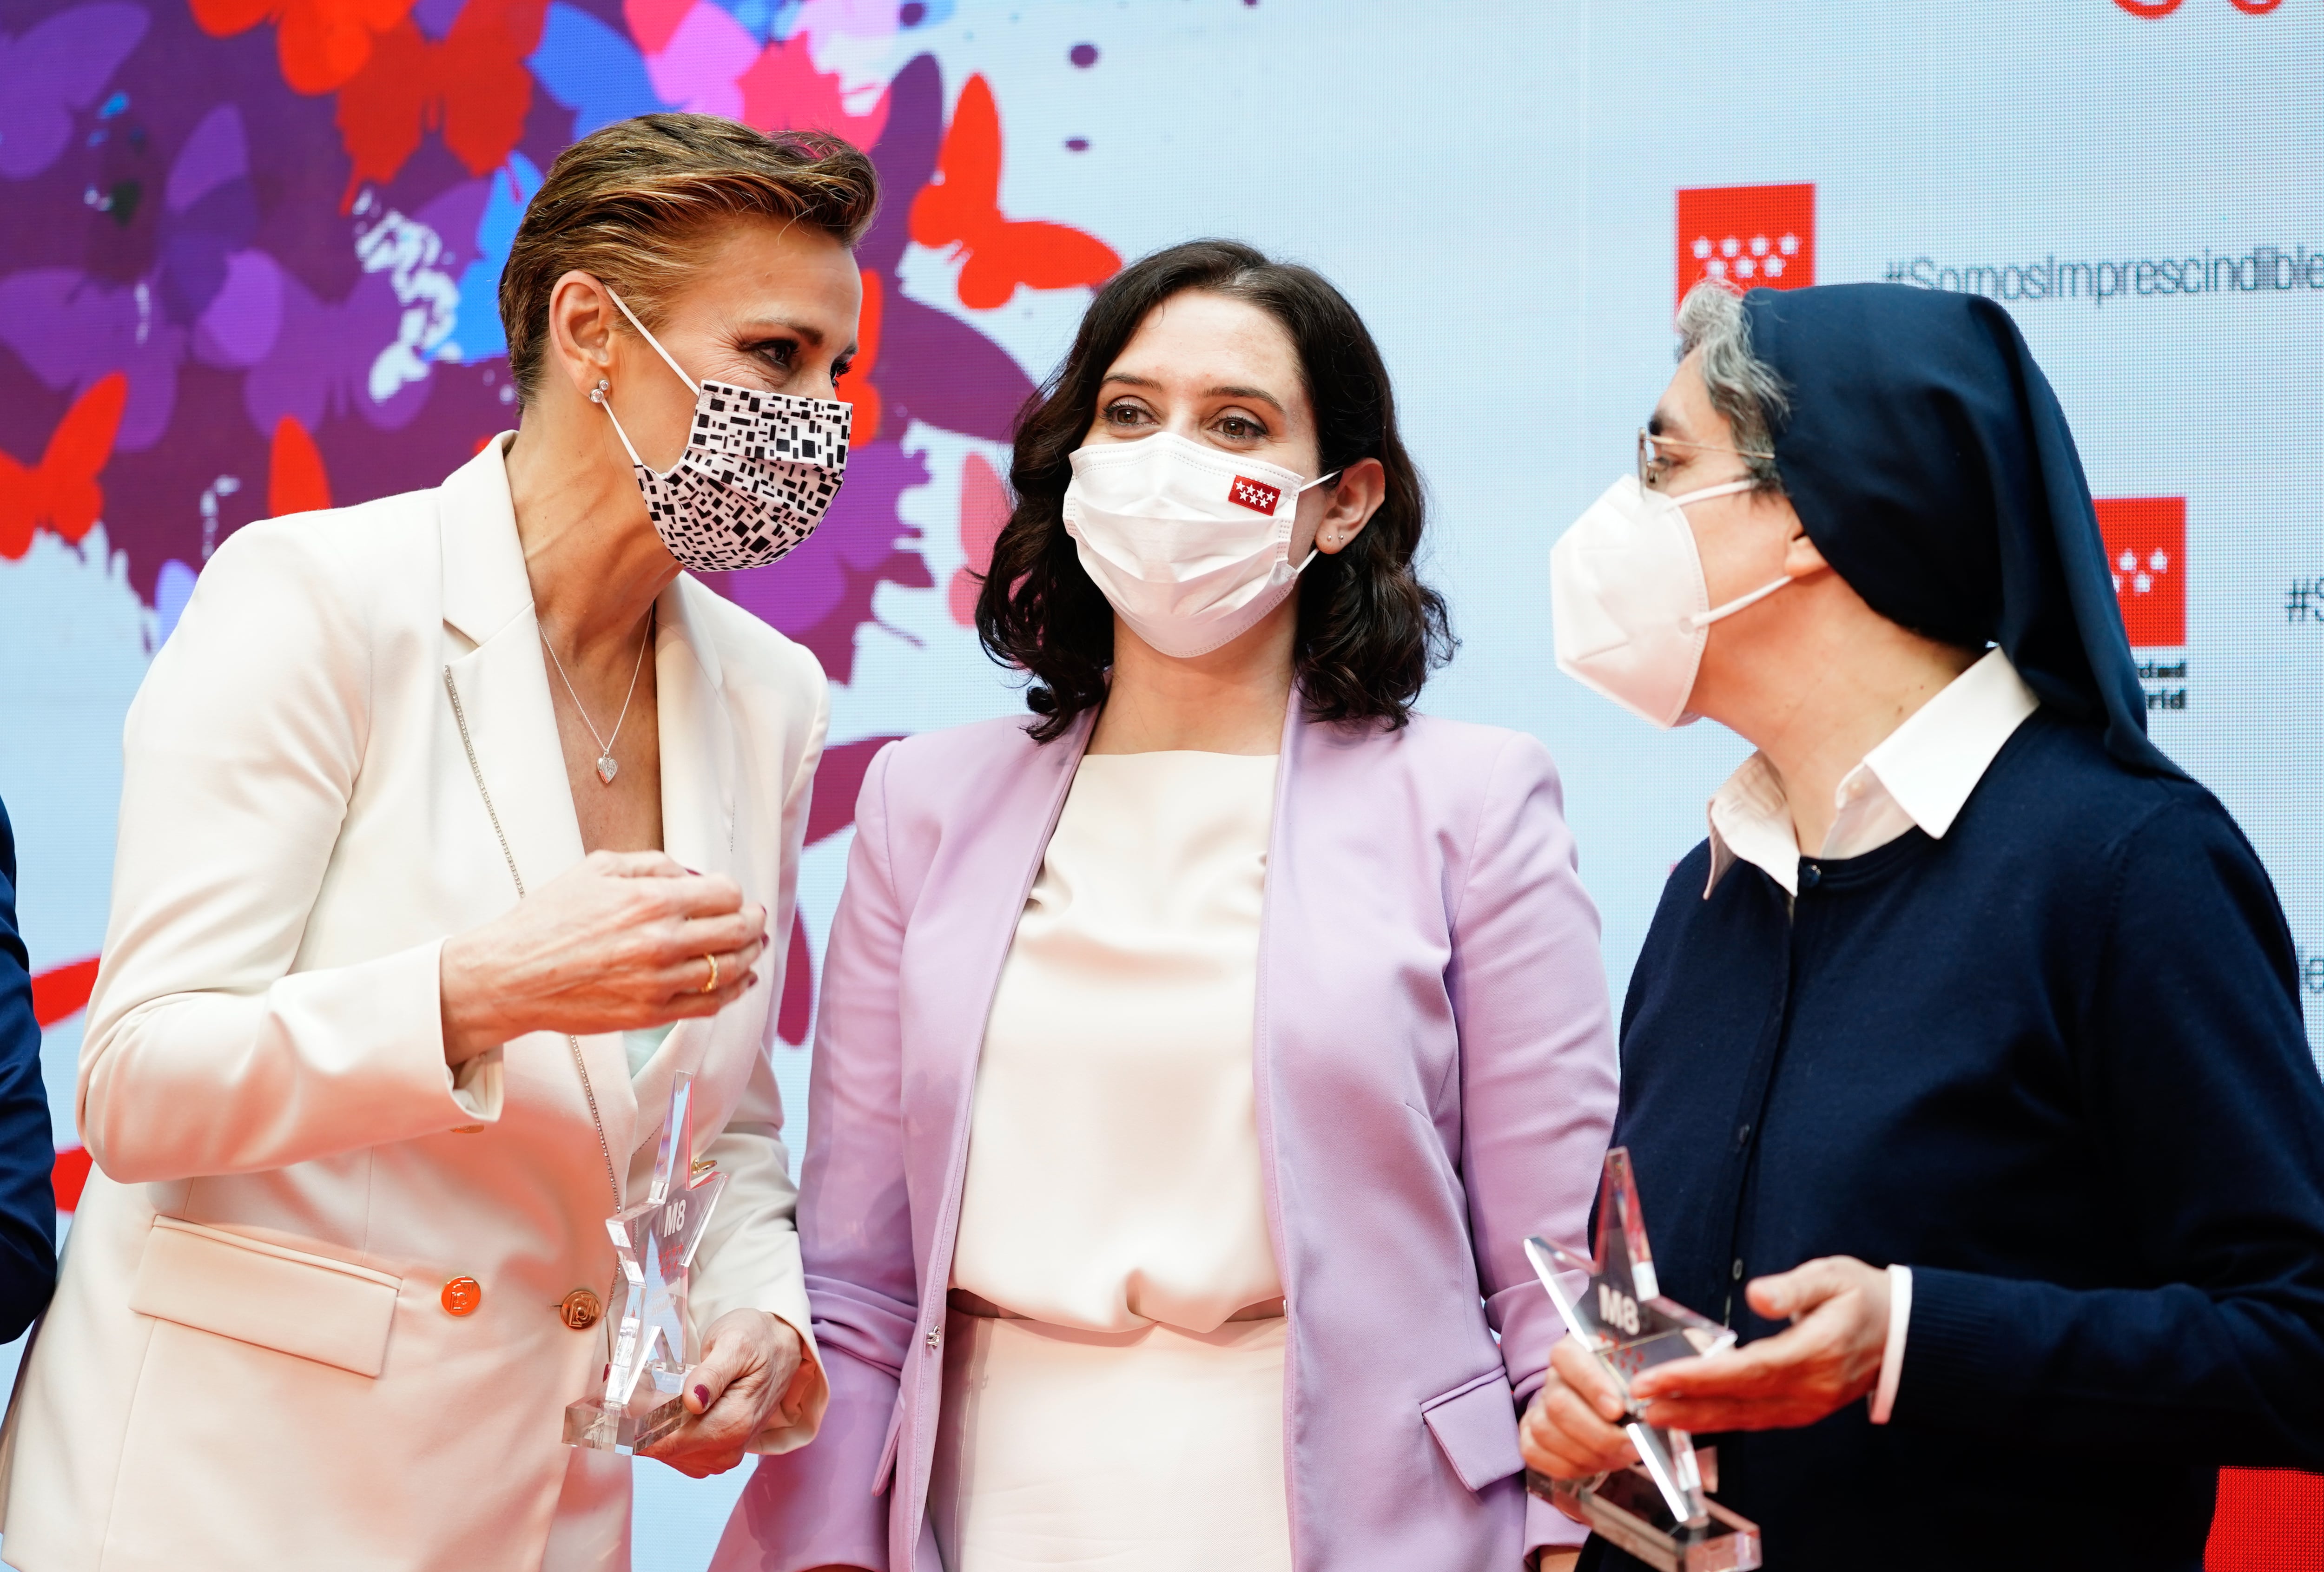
(655, 1240)
(1656, 1508)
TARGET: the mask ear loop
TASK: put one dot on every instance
(692, 385)
(1314, 551)
(597, 397)
(1740, 603)
(597, 393)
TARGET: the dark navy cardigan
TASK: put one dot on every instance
(2052, 1063)
(28, 1203)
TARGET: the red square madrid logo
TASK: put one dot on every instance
(1752, 237)
(2146, 547)
(1257, 495)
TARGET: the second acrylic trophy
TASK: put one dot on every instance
(655, 1241)
(1659, 1509)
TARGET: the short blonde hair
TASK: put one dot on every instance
(637, 204)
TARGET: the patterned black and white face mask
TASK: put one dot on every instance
(758, 472)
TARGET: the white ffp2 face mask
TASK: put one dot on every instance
(757, 475)
(1191, 546)
(1626, 596)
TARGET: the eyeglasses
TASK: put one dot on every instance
(1653, 464)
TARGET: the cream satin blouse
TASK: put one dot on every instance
(1113, 1166)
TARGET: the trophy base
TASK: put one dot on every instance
(1626, 1510)
(609, 1427)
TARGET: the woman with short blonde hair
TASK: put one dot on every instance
(454, 830)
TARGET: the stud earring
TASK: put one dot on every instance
(597, 393)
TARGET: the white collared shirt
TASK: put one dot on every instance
(1920, 774)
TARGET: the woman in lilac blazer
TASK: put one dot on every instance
(1430, 1062)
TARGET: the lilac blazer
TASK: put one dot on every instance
(1435, 1081)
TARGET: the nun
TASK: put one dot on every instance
(1963, 1069)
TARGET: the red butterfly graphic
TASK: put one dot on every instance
(320, 44)
(62, 992)
(59, 994)
(961, 209)
(473, 87)
(295, 481)
(861, 391)
(62, 490)
(69, 1177)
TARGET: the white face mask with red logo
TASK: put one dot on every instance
(1191, 546)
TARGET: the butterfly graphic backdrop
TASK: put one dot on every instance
(253, 269)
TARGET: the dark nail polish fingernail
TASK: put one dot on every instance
(702, 1395)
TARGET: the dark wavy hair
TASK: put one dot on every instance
(1369, 631)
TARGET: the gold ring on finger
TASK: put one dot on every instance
(712, 985)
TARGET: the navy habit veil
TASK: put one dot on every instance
(1931, 464)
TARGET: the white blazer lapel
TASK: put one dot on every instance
(508, 722)
(697, 829)
(501, 680)
(697, 741)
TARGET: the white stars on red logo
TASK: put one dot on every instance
(1746, 236)
(1257, 495)
(1760, 259)
(2140, 576)
(2146, 549)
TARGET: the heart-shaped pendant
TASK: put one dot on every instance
(607, 769)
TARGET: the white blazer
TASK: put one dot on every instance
(249, 1362)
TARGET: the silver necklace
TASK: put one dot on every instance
(606, 767)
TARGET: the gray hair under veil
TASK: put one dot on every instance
(1928, 460)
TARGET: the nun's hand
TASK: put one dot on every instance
(1573, 1426)
(1827, 1358)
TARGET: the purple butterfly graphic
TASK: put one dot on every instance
(58, 65)
(73, 330)
(821, 593)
